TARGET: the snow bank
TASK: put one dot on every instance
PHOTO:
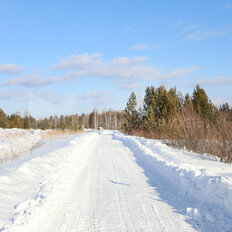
(205, 180)
(31, 185)
(13, 142)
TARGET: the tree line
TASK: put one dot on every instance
(106, 119)
(191, 122)
(185, 121)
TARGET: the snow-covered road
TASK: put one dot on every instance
(95, 182)
(111, 193)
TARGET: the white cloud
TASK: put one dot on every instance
(48, 97)
(33, 80)
(119, 69)
(178, 24)
(11, 69)
(157, 45)
(207, 34)
(11, 94)
(181, 71)
(140, 47)
(126, 60)
(80, 60)
(216, 81)
(147, 46)
(228, 6)
(130, 85)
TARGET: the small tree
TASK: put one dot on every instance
(3, 119)
(187, 102)
(201, 103)
(131, 115)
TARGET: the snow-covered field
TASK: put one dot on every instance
(14, 142)
(108, 181)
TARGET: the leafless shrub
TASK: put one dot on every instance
(188, 130)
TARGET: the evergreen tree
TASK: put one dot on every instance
(3, 119)
(130, 116)
(150, 119)
(82, 121)
(159, 105)
(187, 102)
(174, 102)
(201, 103)
(26, 122)
(149, 100)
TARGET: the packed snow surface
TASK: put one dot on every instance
(108, 181)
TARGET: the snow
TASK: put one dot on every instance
(109, 181)
(14, 142)
(200, 179)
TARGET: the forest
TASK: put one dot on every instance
(106, 119)
(189, 122)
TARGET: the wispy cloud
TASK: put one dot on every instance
(140, 47)
(207, 34)
(178, 24)
(82, 60)
(48, 97)
(127, 29)
(228, 6)
(98, 98)
(126, 60)
(33, 80)
(120, 70)
(11, 69)
(115, 70)
(190, 28)
(216, 81)
(10, 94)
(20, 94)
(130, 85)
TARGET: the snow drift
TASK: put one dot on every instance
(15, 141)
(199, 177)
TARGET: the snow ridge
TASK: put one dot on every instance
(193, 179)
(16, 141)
(53, 187)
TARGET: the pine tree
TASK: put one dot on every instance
(3, 119)
(150, 119)
(26, 122)
(131, 115)
(201, 103)
(174, 102)
(187, 102)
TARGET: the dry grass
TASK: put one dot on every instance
(53, 134)
(10, 153)
(191, 132)
(187, 130)
(7, 133)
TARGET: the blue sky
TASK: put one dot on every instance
(64, 57)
